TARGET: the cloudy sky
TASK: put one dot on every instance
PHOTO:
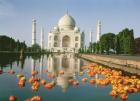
(115, 15)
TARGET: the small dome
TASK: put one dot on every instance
(66, 21)
(76, 29)
(56, 28)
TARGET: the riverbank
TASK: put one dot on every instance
(126, 63)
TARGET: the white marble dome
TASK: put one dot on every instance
(66, 22)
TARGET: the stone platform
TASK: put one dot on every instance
(126, 63)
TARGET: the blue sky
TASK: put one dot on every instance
(115, 15)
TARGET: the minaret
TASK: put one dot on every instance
(98, 31)
(91, 36)
(33, 31)
(42, 39)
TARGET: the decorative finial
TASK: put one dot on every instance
(67, 11)
(33, 19)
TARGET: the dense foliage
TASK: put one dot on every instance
(36, 48)
(9, 44)
(121, 43)
(107, 43)
(126, 42)
(137, 45)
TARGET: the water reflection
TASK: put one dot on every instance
(22, 62)
(68, 63)
(33, 64)
(9, 59)
(41, 65)
(91, 78)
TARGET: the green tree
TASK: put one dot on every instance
(93, 47)
(126, 41)
(36, 48)
(137, 45)
(117, 45)
(90, 47)
(9, 44)
(107, 42)
(97, 48)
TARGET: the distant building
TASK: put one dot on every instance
(66, 36)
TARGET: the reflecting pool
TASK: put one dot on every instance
(58, 77)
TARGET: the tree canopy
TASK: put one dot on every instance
(137, 45)
(9, 44)
(107, 42)
(121, 43)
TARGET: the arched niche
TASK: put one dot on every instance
(66, 41)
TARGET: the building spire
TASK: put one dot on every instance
(67, 11)
(91, 36)
(98, 31)
(33, 31)
(42, 39)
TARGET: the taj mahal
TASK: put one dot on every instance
(66, 36)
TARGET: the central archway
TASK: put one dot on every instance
(66, 41)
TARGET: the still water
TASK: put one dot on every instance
(63, 91)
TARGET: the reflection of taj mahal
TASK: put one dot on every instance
(66, 36)
(69, 63)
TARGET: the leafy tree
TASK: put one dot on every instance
(97, 48)
(90, 48)
(126, 41)
(107, 42)
(94, 47)
(117, 45)
(137, 45)
(9, 44)
(36, 48)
